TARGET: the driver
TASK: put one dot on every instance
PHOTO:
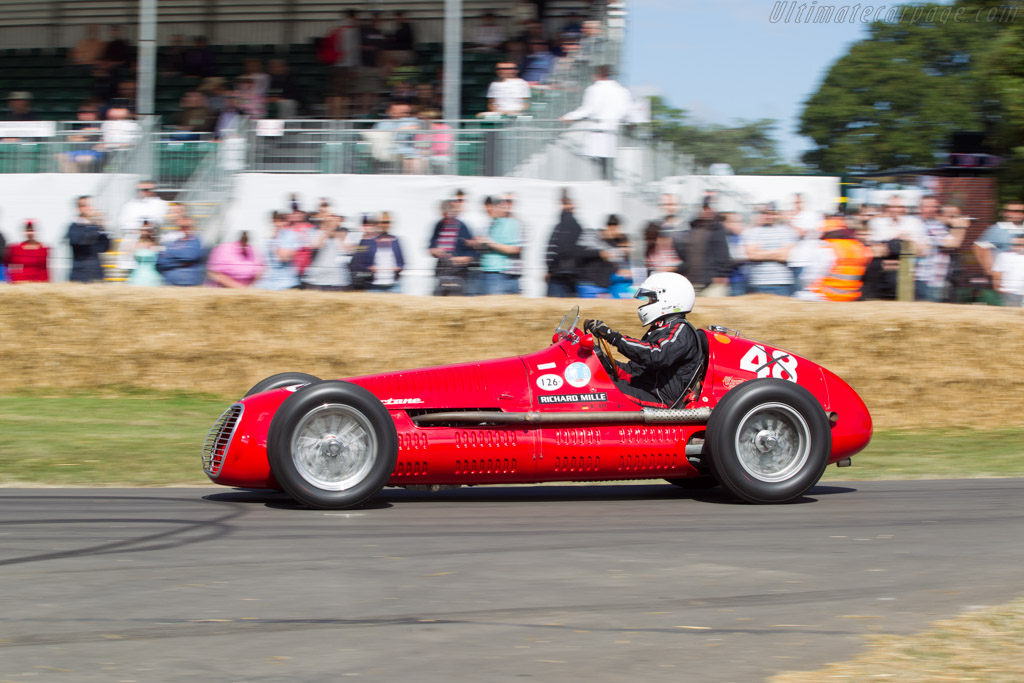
(665, 360)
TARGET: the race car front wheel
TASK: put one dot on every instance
(283, 379)
(769, 441)
(332, 445)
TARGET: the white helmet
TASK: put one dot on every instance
(666, 293)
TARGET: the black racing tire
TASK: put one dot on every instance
(701, 483)
(769, 441)
(332, 445)
(283, 379)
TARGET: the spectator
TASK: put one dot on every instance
(343, 56)
(433, 147)
(573, 26)
(996, 240)
(509, 95)
(371, 75)
(393, 138)
(89, 50)
(86, 153)
(489, 35)
(20, 104)
(104, 82)
(593, 44)
(379, 258)
(768, 244)
(252, 68)
(427, 97)
(450, 245)
(88, 240)
(663, 236)
(172, 61)
(538, 63)
(942, 238)
(887, 233)
(500, 248)
(1007, 273)
(249, 99)
(195, 116)
(607, 104)
(235, 265)
(120, 130)
(835, 269)
(199, 60)
(704, 251)
(605, 269)
(27, 261)
(285, 94)
(564, 72)
(734, 229)
(230, 115)
(146, 253)
(118, 52)
(563, 252)
(808, 225)
(181, 261)
(401, 43)
(281, 248)
(3, 250)
(170, 230)
(328, 268)
(147, 207)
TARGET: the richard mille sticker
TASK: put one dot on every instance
(577, 375)
(549, 382)
(574, 398)
(546, 366)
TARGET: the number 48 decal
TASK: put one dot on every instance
(782, 365)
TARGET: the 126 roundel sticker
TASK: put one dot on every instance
(577, 374)
(549, 382)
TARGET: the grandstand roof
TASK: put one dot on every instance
(60, 23)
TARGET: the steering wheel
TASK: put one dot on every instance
(603, 350)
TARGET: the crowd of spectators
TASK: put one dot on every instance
(786, 251)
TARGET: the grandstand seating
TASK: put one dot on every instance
(59, 88)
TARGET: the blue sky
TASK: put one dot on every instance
(724, 60)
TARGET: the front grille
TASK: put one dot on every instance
(215, 449)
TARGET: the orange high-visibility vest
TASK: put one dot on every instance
(845, 280)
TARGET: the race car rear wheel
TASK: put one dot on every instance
(332, 445)
(283, 379)
(769, 441)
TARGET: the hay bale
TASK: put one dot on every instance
(915, 364)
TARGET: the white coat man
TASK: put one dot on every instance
(606, 104)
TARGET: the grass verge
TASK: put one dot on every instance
(978, 646)
(148, 438)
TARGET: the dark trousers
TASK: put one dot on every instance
(561, 288)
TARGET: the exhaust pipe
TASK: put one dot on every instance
(679, 416)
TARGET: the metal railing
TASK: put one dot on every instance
(208, 191)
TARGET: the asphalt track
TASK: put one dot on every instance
(611, 583)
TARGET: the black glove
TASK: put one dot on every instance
(599, 329)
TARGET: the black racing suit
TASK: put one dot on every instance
(661, 363)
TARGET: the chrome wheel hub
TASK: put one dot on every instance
(334, 447)
(773, 442)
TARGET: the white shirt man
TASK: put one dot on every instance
(147, 207)
(509, 95)
(896, 224)
(1008, 273)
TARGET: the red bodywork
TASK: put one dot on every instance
(529, 454)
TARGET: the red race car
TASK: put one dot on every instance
(762, 422)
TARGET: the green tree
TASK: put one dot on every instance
(749, 147)
(1003, 76)
(894, 100)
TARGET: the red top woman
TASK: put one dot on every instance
(27, 262)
